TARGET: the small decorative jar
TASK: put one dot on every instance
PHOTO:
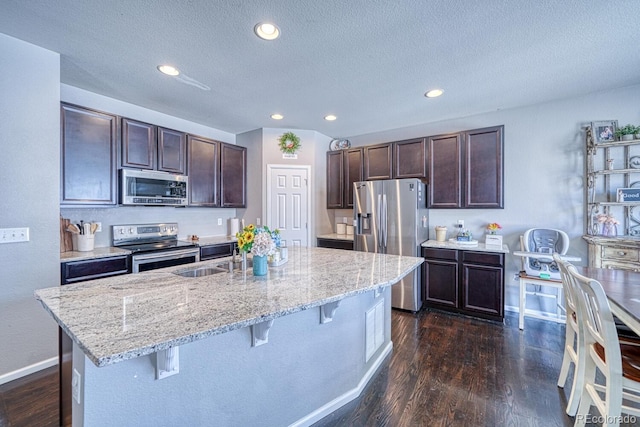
(609, 230)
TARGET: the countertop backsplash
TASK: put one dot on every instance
(198, 221)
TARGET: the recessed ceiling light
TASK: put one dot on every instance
(267, 31)
(168, 70)
(277, 116)
(330, 117)
(434, 93)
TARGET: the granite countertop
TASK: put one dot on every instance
(212, 240)
(104, 252)
(336, 236)
(480, 247)
(119, 318)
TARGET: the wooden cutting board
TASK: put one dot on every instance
(66, 244)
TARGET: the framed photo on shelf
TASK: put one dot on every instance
(604, 130)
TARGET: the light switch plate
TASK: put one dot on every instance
(14, 235)
(219, 221)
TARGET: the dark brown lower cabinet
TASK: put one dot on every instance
(335, 243)
(465, 281)
(217, 251)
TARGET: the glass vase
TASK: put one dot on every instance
(609, 230)
(259, 265)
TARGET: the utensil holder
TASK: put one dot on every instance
(341, 228)
(83, 242)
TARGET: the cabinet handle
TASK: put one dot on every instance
(621, 253)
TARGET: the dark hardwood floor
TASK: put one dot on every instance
(445, 370)
(31, 401)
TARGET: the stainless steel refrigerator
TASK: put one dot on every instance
(390, 217)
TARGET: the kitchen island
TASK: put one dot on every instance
(284, 349)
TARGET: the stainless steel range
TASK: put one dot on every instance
(154, 245)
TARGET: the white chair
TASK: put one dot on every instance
(619, 363)
(574, 352)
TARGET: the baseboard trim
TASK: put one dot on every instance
(28, 370)
(347, 397)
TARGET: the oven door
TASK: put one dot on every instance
(170, 258)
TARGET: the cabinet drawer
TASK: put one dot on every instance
(620, 265)
(335, 244)
(216, 251)
(446, 254)
(620, 254)
(78, 271)
(484, 258)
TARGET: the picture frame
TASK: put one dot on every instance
(604, 131)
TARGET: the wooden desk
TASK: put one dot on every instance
(622, 288)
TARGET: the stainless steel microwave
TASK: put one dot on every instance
(152, 188)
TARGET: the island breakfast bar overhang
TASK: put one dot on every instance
(323, 320)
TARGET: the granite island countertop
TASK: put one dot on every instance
(124, 317)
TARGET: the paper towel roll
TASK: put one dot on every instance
(234, 226)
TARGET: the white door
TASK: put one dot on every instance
(288, 203)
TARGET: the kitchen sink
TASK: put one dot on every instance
(201, 271)
(236, 265)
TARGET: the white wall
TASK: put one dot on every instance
(199, 221)
(30, 176)
(544, 167)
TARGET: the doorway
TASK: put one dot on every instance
(288, 202)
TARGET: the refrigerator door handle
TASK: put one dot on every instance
(385, 219)
(379, 220)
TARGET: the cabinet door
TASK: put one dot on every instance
(441, 283)
(88, 157)
(445, 180)
(483, 290)
(484, 168)
(138, 145)
(353, 159)
(172, 149)
(377, 162)
(409, 160)
(233, 176)
(203, 161)
(335, 177)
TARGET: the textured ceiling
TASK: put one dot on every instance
(369, 62)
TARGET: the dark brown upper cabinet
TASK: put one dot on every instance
(335, 179)
(344, 167)
(203, 169)
(445, 171)
(484, 168)
(353, 172)
(172, 150)
(377, 162)
(409, 159)
(146, 146)
(466, 169)
(89, 141)
(233, 176)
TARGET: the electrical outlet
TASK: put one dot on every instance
(258, 222)
(461, 223)
(99, 229)
(76, 385)
(14, 235)
(219, 221)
